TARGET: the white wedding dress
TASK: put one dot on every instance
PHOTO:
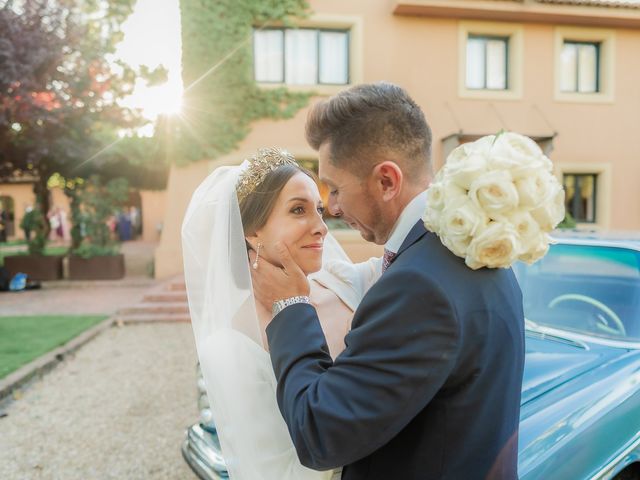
(236, 368)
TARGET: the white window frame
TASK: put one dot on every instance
(352, 24)
(578, 74)
(603, 172)
(606, 65)
(486, 39)
(514, 33)
(318, 32)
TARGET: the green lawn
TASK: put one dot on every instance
(13, 243)
(23, 339)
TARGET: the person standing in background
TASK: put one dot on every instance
(4, 219)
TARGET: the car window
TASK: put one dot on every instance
(584, 288)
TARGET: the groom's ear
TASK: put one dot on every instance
(388, 179)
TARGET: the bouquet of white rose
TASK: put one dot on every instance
(495, 201)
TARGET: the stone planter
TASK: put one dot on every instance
(108, 267)
(37, 267)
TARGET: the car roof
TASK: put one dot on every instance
(621, 239)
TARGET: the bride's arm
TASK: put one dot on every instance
(360, 275)
(334, 316)
(241, 389)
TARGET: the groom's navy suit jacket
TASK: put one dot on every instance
(429, 384)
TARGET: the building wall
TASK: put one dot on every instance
(423, 54)
(23, 197)
(153, 207)
(154, 203)
(180, 186)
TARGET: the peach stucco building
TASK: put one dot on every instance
(16, 197)
(565, 72)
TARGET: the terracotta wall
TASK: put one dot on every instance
(182, 182)
(422, 54)
(23, 197)
(153, 214)
(153, 207)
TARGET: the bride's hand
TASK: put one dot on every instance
(271, 283)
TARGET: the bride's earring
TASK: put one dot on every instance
(255, 263)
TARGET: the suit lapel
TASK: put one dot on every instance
(416, 233)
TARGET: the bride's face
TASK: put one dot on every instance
(296, 220)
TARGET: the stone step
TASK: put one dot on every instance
(177, 287)
(166, 297)
(138, 318)
(155, 308)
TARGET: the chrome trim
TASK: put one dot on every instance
(584, 338)
(203, 455)
(624, 243)
(546, 332)
(606, 472)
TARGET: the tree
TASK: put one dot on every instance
(59, 89)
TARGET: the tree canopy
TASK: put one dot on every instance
(60, 86)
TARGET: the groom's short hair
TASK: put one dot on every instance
(367, 121)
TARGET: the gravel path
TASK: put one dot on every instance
(117, 410)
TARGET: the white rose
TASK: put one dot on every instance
(462, 218)
(431, 219)
(483, 145)
(551, 212)
(525, 225)
(453, 191)
(497, 246)
(494, 192)
(457, 244)
(463, 173)
(513, 149)
(458, 154)
(535, 189)
(535, 248)
(547, 164)
(530, 168)
(435, 196)
(439, 176)
(518, 154)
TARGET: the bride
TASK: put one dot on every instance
(268, 198)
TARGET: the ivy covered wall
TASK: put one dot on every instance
(221, 97)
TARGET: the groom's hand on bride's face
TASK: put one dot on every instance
(272, 283)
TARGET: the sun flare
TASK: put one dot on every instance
(160, 27)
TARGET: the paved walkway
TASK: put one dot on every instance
(118, 410)
(87, 297)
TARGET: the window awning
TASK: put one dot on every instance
(468, 122)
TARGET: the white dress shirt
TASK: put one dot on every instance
(408, 218)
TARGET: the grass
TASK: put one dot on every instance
(13, 243)
(23, 339)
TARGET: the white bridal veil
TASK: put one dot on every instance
(236, 368)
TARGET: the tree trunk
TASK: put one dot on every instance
(42, 199)
(74, 203)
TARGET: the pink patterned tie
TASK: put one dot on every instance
(387, 259)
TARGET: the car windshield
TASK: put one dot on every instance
(593, 290)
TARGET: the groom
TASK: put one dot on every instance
(429, 384)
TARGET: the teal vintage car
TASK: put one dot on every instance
(580, 416)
